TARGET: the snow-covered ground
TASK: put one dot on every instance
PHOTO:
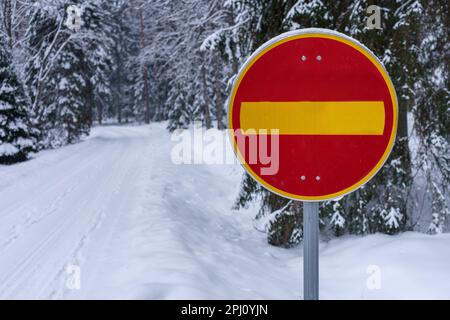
(139, 226)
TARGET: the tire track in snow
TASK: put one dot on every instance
(78, 257)
(28, 267)
(33, 216)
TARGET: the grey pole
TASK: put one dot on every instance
(310, 250)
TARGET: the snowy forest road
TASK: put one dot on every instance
(117, 214)
(49, 218)
(136, 225)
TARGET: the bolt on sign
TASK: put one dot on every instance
(331, 104)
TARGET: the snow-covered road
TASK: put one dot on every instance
(138, 226)
(65, 210)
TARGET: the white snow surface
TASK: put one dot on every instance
(140, 227)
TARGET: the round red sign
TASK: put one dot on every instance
(313, 115)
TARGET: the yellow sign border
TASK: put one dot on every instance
(325, 34)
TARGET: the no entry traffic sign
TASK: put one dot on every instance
(331, 102)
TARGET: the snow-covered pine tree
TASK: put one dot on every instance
(265, 19)
(381, 205)
(181, 113)
(137, 88)
(98, 40)
(72, 112)
(68, 71)
(17, 136)
(47, 37)
(122, 106)
(41, 39)
(193, 101)
(141, 16)
(431, 113)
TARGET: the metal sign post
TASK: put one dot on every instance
(311, 250)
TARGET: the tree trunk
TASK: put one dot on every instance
(146, 96)
(7, 21)
(100, 114)
(402, 131)
(120, 103)
(234, 60)
(119, 114)
(207, 99)
(219, 103)
(145, 70)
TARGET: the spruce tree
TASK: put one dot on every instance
(69, 71)
(266, 19)
(431, 115)
(17, 138)
(381, 205)
(122, 74)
